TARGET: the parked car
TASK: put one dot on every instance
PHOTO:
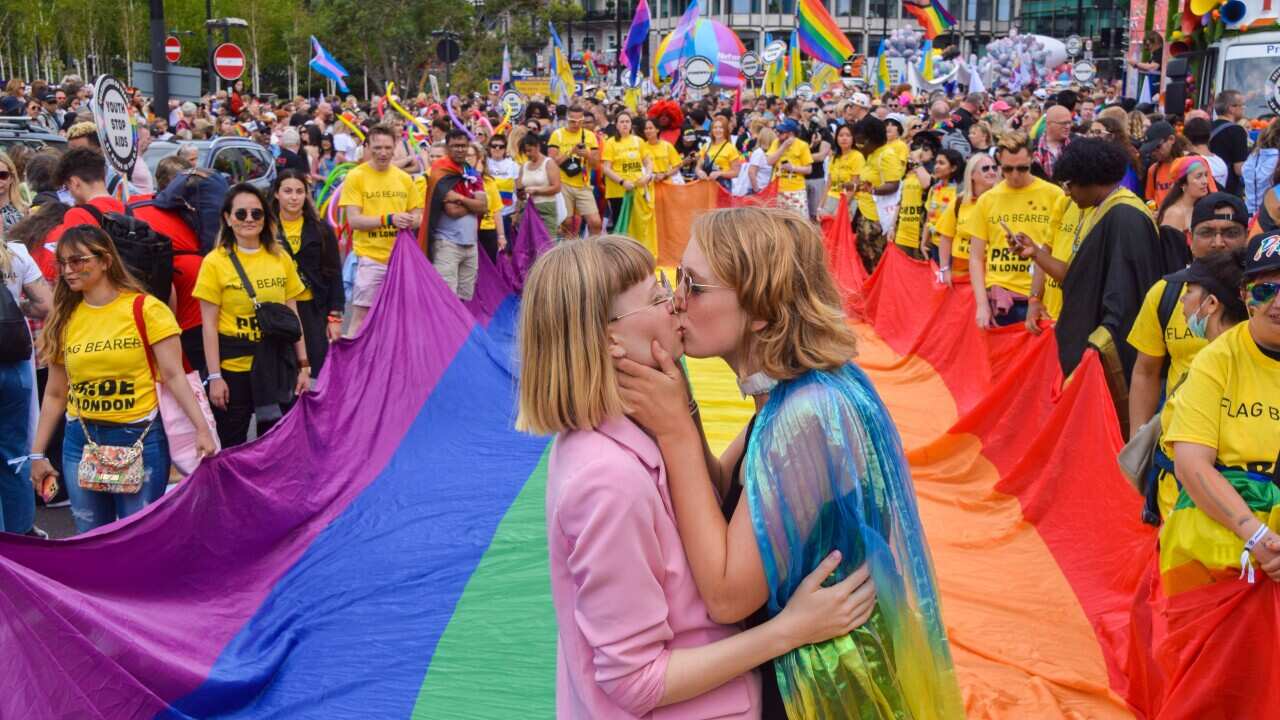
(239, 159)
(21, 131)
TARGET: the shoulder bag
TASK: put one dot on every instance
(178, 428)
(274, 319)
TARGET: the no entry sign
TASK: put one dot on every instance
(228, 61)
(172, 49)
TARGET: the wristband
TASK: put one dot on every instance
(388, 222)
(944, 268)
(213, 376)
(1246, 567)
(36, 456)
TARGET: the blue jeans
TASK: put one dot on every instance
(17, 499)
(90, 508)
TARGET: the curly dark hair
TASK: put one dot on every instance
(1091, 161)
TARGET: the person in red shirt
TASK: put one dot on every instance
(84, 172)
(186, 258)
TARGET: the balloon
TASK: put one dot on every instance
(449, 103)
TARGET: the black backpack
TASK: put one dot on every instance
(15, 338)
(197, 196)
(148, 255)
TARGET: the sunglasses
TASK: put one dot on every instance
(1016, 168)
(5, 174)
(667, 298)
(248, 214)
(685, 285)
(1234, 232)
(75, 262)
(1261, 293)
(987, 168)
(497, 146)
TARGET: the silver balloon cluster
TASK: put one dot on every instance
(908, 44)
(1015, 61)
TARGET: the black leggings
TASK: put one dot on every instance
(488, 240)
(615, 209)
(233, 422)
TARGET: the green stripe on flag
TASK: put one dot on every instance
(498, 652)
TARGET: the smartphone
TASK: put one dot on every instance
(1007, 229)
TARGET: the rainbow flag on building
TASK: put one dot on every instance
(931, 15)
(820, 37)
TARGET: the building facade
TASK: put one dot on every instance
(864, 22)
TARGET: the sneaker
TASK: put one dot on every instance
(37, 533)
(59, 504)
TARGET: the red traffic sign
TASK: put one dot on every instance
(228, 61)
(172, 49)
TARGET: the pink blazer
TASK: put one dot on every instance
(624, 594)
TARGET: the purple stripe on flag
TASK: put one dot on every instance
(120, 622)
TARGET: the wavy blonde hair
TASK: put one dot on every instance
(776, 264)
(567, 380)
(15, 184)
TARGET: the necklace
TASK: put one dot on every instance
(758, 383)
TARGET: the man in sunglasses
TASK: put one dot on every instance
(1013, 214)
(1120, 255)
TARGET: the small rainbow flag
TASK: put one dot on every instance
(820, 37)
(931, 15)
(588, 61)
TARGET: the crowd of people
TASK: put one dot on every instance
(1150, 238)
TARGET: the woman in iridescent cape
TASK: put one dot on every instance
(820, 467)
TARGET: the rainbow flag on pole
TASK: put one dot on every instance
(820, 37)
(931, 15)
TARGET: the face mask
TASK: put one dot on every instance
(1199, 326)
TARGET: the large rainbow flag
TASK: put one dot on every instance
(381, 553)
(820, 37)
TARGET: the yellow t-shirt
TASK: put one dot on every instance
(565, 141)
(378, 194)
(108, 377)
(293, 236)
(1065, 221)
(274, 278)
(940, 198)
(662, 156)
(843, 170)
(910, 213)
(1025, 210)
(950, 222)
(494, 198)
(1174, 340)
(797, 154)
(627, 158)
(1230, 401)
(883, 165)
(723, 156)
(900, 148)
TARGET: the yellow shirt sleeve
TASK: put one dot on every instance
(293, 286)
(1146, 336)
(946, 222)
(417, 195)
(975, 223)
(352, 190)
(892, 167)
(209, 281)
(1196, 417)
(159, 320)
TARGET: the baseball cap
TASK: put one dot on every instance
(862, 100)
(1263, 255)
(1000, 106)
(788, 126)
(1220, 206)
(1156, 134)
(1199, 273)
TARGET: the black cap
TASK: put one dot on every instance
(1263, 255)
(1156, 134)
(1220, 206)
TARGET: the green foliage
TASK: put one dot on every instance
(389, 40)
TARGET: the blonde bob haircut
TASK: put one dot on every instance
(775, 261)
(567, 380)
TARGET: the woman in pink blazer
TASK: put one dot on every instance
(635, 638)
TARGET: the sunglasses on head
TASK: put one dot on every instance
(244, 214)
(1016, 168)
(1261, 293)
